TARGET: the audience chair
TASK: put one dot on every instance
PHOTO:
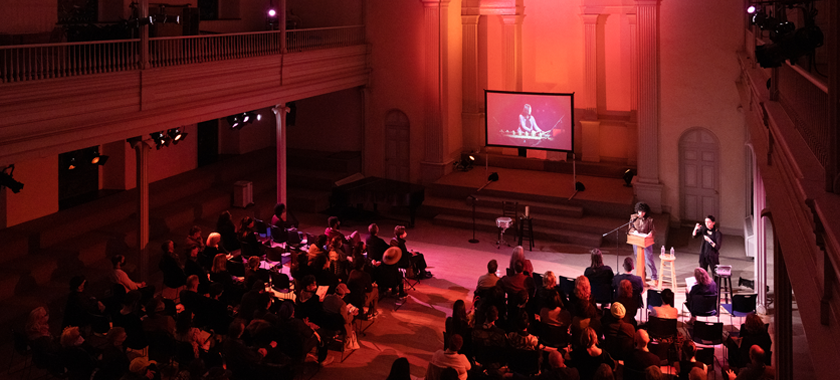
(335, 322)
(524, 362)
(510, 212)
(703, 306)
(662, 328)
(706, 355)
(433, 372)
(707, 333)
(654, 299)
(567, 285)
(742, 305)
(22, 348)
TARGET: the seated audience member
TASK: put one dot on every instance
(604, 372)
(519, 255)
(667, 310)
(629, 301)
(141, 369)
(583, 309)
(194, 238)
(185, 332)
(390, 277)
(247, 236)
(333, 231)
(129, 319)
(600, 277)
(242, 360)
(317, 248)
(253, 272)
(459, 323)
(705, 286)
(375, 245)
(82, 309)
(282, 218)
(118, 276)
(587, 357)
(618, 334)
(193, 267)
(558, 369)
(521, 339)
(488, 339)
(450, 358)
(519, 284)
(552, 312)
(545, 293)
(336, 309)
(640, 359)
(227, 232)
(220, 275)
(489, 279)
(173, 272)
(753, 332)
(697, 374)
(687, 360)
(156, 319)
(214, 315)
(78, 362)
(636, 281)
(400, 370)
(114, 361)
(301, 335)
(756, 370)
(190, 297)
(338, 260)
(653, 373)
(211, 249)
(252, 300)
(308, 303)
(38, 332)
(414, 261)
(364, 295)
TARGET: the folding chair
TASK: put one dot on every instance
(654, 299)
(703, 306)
(742, 305)
(662, 328)
(707, 335)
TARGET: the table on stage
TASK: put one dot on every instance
(641, 242)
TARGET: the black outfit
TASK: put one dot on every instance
(709, 256)
(135, 335)
(638, 362)
(635, 281)
(564, 373)
(82, 310)
(618, 338)
(686, 366)
(113, 365)
(228, 234)
(631, 307)
(78, 362)
(194, 268)
(601, 281)
(415, 261)
(376, 247)
(173, 275)
(360, 283)
(587, 365)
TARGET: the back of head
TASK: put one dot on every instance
(689, 349)
(697, 374)
(702, 276)
(653, 373)
(588, 338)
(400, 370)
(373, 229)
(628, 264)
(668, 297)
(583, 290)
(642, 338)
(194, 230)
(555, 359)
(756, 354)
(753, 324)
(518, 266)
(597, 258)
(69, 336)
(492, 266)
(399, 231)
(604, 372)
(455, 343)
(115, 334)
(192, 282)
(279, 209)
(332, 221)
(549, 280)
(236, 328)
(213, 239)
(254, 262)
(625, 289)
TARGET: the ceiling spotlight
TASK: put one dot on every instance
(751, 9)
(259, 117)
(175, 135)
(272, 13)
(7, 180)
(160, 139)
(72, 164)
(98, 159)
(465, 163)
(789, 47)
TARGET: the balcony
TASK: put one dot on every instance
(60, 97)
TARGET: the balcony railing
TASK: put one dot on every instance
(35, 62)
(806, 102)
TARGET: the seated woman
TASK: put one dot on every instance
(519, 255)
(363, 294)
(705, 286)
(220, 275)
(587, 356)
(414, 261)
(459, 323)
(753, 332)
(248, 238)
(600, 277)
(545, 293)
(629, 301)
(38, 332)
(552, 312)
(688, 361)
(173, 272)
(520, 338)
(667, 310)
(227, 232)
(73, 356)
(582, 306)
(185, 332)
(212, 248)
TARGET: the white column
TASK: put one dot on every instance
(473, 89)
(634, 79)
(760, 235)
(435, 163)
(647, 187)
(142, 170)
(512, 51)
(590, 63)
(280, 112)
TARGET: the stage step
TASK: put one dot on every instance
(540, 233)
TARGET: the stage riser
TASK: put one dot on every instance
(602, 169)
(539, 220)
(559, 235)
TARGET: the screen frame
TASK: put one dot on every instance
(572, 129)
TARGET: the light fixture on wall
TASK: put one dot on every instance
(788, 42)
(176, 135)
(465, 163)
(98, 159)
(7, 179)
(628, 177)
(160, 139)
(239, 120)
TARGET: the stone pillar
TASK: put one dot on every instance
(647, 187)
(760, 236)
(783, 318)
(590, 63)
(512, 51)
(473, 85)
(280, 112)
(634, 79)
(435, 162)
(141, 148)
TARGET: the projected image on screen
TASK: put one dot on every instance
(530, 120)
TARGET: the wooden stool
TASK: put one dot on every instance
(669, 259)
(526, 228)
(723, 278)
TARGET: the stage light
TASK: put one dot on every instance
(494, 176)
(751, 9)
(176, 135)
(789, 46)
(259, 117)
(8, 181)
(465, 163)
(98, 159)
(160, 139)
(628, 177)
(72, 164)
(272, 13)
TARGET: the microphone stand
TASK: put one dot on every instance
(616, 239)
(474, 201)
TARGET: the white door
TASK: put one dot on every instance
(699, 175)
(397, 146)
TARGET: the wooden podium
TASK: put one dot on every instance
(641, 242)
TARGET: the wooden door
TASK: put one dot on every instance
(397, 148)
(699, 175)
